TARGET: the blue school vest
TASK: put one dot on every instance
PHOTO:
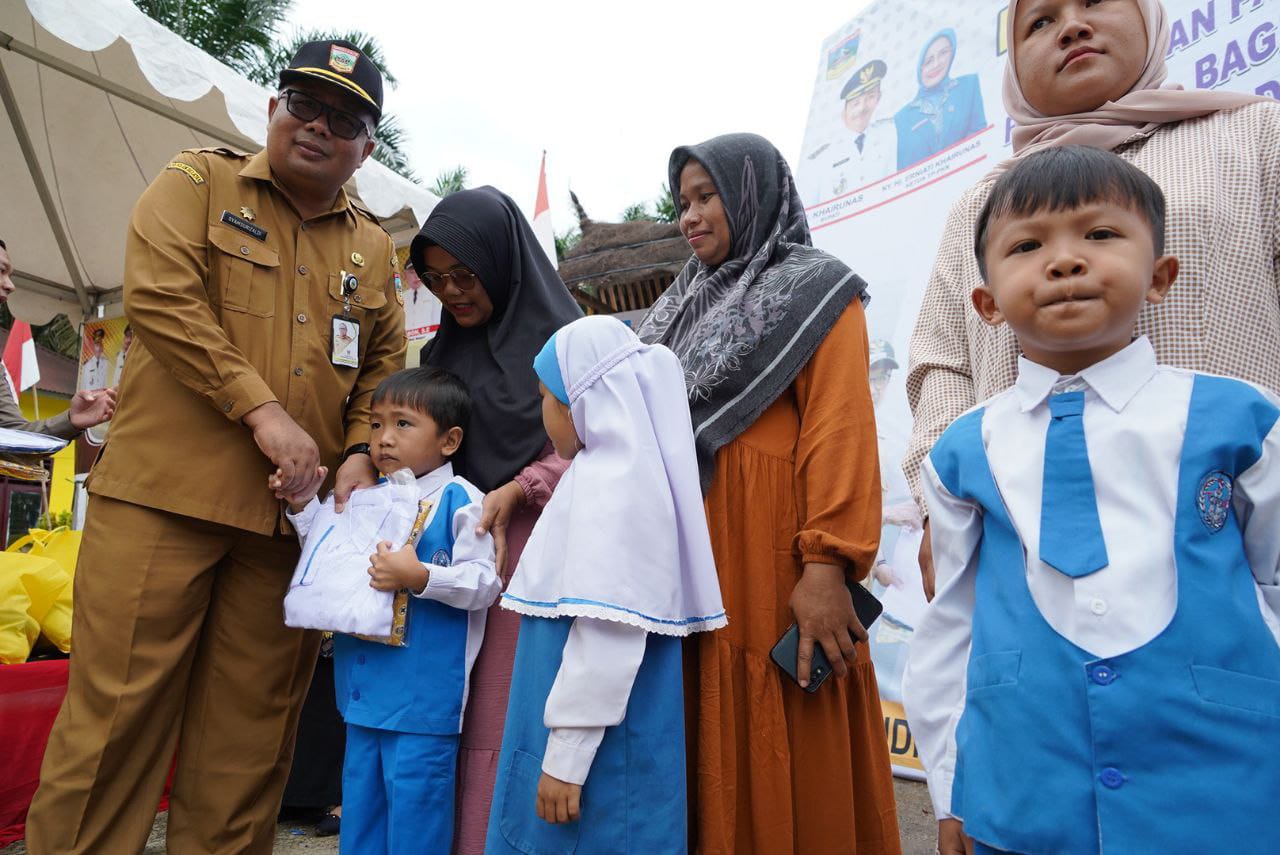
(418, 688)
(1167, 748)
(634, 798)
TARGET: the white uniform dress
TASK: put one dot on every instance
(842, 167)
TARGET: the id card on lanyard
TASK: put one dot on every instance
(345, 350)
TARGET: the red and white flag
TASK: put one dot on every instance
(20, 367)
(542, 216)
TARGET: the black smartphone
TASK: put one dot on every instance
(786, 653)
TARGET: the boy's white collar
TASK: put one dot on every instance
(1115, 379)
(434, 480)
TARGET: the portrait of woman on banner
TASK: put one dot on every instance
(945, 110)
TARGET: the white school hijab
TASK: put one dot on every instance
(624, 536)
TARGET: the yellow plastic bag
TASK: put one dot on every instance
(30, 586)
(62, 546)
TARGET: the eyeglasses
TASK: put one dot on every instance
(307, 109)
(462, 278)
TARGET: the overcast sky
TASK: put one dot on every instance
(608, 89)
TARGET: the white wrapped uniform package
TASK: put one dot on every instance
(330, 588)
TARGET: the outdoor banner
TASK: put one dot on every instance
(421, 310)
(104, 348)
(886, 153)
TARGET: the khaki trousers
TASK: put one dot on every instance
(179, 643)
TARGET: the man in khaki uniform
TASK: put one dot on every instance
(235, 269)
(88, 408)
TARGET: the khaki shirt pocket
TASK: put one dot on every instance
(245, 270)
(368, 294)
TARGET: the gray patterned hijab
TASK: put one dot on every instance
(744, 329)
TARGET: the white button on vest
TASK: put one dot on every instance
(1098, 606)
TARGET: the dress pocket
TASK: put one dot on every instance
(994, 669)
(1241, 691)
(519, 821)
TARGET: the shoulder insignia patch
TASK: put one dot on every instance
(1213, 500)
(399, 286)
(186, 168)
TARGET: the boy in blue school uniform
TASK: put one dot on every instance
(1100, 670)
(403, 705)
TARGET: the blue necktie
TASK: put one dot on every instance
(1070, 533)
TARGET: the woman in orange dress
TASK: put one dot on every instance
(773, 340)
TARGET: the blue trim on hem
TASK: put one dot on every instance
(582, 602)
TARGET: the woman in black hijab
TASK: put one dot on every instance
(502, 301)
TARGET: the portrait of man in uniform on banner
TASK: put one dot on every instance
(103, 346)
(866, 148)
(421, 308)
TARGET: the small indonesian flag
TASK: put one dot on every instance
(20, 366)
(542, 216)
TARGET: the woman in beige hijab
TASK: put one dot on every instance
(1092, 72)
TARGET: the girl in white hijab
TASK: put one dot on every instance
(617, 570)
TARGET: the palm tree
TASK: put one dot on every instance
(664, 208)
(638, 211)
(243, 34)
(236, 31)
(59, 335)
(450, 181)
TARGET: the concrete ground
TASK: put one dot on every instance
(915, 819)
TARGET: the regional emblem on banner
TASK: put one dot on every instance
(1213, 500)
(342, 59)
(842, 56)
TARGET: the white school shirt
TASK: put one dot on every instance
(470, 581)
(1134, 417)
(590, 693)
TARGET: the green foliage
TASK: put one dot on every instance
(663, 211)
(450, 181)
(566, 241)
(390, 140)
(59, 335)
(638, 211)
(62, 519)
(664, 208)
(238, 32)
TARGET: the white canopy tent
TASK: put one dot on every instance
(98, 98)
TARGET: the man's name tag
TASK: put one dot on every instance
(244, 225)
(345, 351)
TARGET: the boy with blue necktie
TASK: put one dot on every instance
(1100, 670)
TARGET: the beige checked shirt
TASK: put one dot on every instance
(1221, 178)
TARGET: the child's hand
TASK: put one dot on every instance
(951, 838)
(558, 801)
(299, 499)
(391, 571)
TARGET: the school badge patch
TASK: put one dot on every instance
(441, 558)
(1213, 500)
(342, 59)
